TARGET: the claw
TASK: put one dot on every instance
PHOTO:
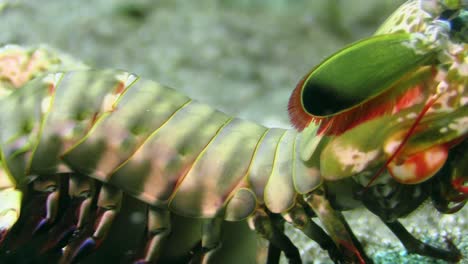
(50, 212)
(92, 231)
(337, 227)
(79, 245)
(347, 247)
(42, 225)
(457, 255)
(459, 175)
(74, 217)
(84, 240)
(63, 230)
(87, 245)
(446, 209)
(449, 189)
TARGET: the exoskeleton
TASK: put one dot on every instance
(381, 124)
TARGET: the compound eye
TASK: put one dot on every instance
(459, 26)
(448, 14)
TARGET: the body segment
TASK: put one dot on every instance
(170, 162)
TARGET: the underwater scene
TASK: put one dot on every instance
(341, 134)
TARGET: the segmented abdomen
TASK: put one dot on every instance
(154, 143)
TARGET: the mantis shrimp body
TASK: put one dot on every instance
(99, 135)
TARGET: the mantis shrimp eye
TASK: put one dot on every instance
(459, 26)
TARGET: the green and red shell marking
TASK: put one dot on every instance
(412, 73)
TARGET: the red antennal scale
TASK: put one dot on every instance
(299, 118)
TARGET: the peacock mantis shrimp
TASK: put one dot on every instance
(98, 135)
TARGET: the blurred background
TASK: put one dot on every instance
(241, 56)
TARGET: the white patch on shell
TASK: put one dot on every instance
(391, 146)
(441, 75)
(435, 156)
(443, 130)
(354, 158)
(52, 78)
(464, 100)
(430, 6)
(463, 69)
(45, 104)
(108, 102)
(411, 115)
(414, 43)
(460, 125)
(444, 102)
(443, 86)
(431, 36)
(126, 78)
(405, 172)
